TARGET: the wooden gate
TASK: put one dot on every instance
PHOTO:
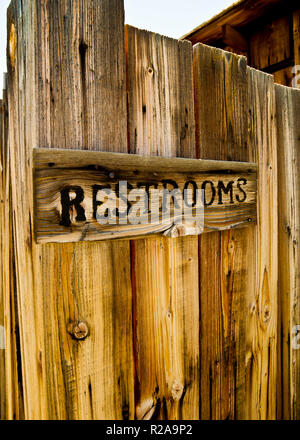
(187, 328)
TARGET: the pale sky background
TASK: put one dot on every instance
(173, 18)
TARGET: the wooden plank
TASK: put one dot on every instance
(221, 133)
(262, 299)
(271, 44)
(2, 328)
(288, 132)
(72, 69)
(284, 76)
(296, 36)
(165, 272)
(224, 199)
(11, 386)
(78, 159)
(238, 15)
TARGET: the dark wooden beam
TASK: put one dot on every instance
(233, 38)
(238, 15)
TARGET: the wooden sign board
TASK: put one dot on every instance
(86, 196)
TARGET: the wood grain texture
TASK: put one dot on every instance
(165, 272)
(233, 38)
(238, 15)
(157, 328)
(78, 159)
(271, 44)
(63, 92)
(262, 299)
(221, 125)
(3, 397)
(229, 198)
(11, 381)
(288, 133)
(296, 36)
(284, 76)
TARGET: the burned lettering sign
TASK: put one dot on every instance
(127, 196)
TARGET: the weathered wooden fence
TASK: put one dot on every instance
(182, 328)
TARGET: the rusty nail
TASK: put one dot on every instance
(79, 330)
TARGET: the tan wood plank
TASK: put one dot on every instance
(221, 126)
(165, 272)
(288, 108)
(56, 158)
(70, 96)
(11, 380)
(262, 299)
(2, 244)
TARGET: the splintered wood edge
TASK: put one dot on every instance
(75, 159)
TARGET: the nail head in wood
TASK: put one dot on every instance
(78, 330)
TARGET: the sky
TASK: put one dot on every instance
(172, 18)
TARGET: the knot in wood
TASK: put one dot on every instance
(177, 390)
(267, 314)
(252, 308)
(79, 330)
(150, 70)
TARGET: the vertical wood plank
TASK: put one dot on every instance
(11, 384)
(284, 76)
(165, 272)
(262, 300)
(3, 397)
(288, 133)
(271, 44)
(296, 35)
(67, 89)
(221, 133)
